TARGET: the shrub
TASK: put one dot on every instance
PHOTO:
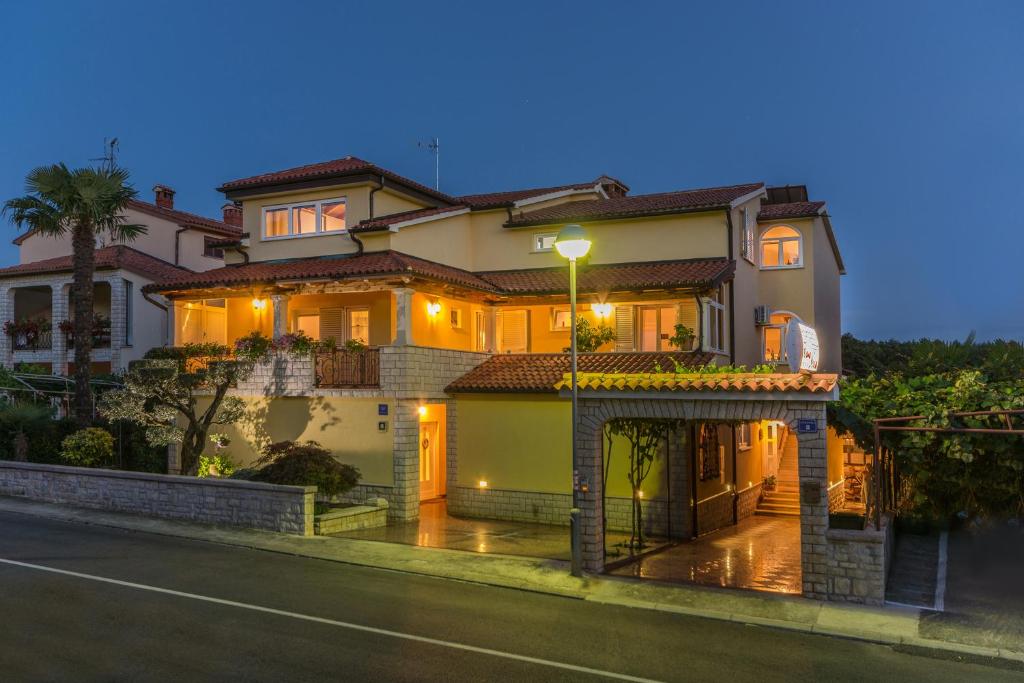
(297, 343)
(305, 464)
(216, 465)
(253, 347)
(90, 447)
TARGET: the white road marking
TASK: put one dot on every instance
(334, 622)
(940, 573)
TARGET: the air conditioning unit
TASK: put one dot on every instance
(762, 314)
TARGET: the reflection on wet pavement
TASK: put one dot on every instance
(437, 529)
(759, 553)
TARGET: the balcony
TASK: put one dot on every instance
(342, 368)
(32, 340)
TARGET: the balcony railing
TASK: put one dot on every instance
(344, 368)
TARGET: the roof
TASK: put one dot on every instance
(540, 372)
(183, 219)
(327, 170)
(690, 273)
(374, 264)
(716, 382)
(114, 257)
(385, 222)
(774, 212)
(492, 200)
(614, 276)
(637, 205)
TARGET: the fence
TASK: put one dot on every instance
(344, 368)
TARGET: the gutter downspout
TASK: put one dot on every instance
(732, 293)
(167, 316)
(177, 243)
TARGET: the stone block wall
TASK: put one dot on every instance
(858, 564)
(836, 496)
(283, 374)
(252, 505)
(747, 500)
(714, 513)
(424, 372)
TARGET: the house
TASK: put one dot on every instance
(461, 303)
(35, 293)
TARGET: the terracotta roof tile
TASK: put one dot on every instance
(384, 222)
(330, 169)
(374, 264)
(490, 200)
(636, 205)
(774, 212)
(114, 257)
(540, 372)
(615, 276)
(725, 382)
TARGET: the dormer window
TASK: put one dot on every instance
(304, 219)
(781, 247)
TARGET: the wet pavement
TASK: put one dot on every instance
(759, 553)
(437, 529)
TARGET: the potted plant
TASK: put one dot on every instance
(683, 338)
(769, 483)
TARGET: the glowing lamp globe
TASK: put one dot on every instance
(572, 242)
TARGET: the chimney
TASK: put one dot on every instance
(232, 214)
(164, 196)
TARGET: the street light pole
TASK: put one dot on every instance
(572, 243)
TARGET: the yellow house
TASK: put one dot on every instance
(462, 305)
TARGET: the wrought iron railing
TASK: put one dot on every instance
(42, 340)
(344, 368)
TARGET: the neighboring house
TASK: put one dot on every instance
(34, 295)
(463, 304)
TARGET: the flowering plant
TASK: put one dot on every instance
(253, 347)
(298, 343)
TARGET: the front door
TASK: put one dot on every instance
(770, 446)
(431, 483)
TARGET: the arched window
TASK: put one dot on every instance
(773, 337)
(781, 247)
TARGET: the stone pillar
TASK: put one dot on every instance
(280, 302)
(404, 502)
(6, 313)
(118, 321)
(680, 501)
(813, 464)
(170, 331)
(59, 313)
(591, 473)
(403, 316)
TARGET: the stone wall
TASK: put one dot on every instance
(836, 496)
(283, 374)
(747, 500)
(423, 372)
(252, 505)
(858, 564)
(715, 512)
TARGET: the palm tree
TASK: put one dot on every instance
(84, 202)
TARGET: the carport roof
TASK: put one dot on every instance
(738, 383)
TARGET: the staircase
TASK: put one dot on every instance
(784, 501)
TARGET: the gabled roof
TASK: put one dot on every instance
(107, 258)
(183, 219)
(614, 276)
(540, 372)
(745, 383)
(346, 167)
(774, 212)
(684, 201)
(374, 264)
(396, 219)
(493, 200)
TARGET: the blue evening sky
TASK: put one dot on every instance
(906, 117)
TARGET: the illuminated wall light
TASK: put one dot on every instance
(259, 304)
(640, 494)
(433, 307)
(422, 410)
(602, 310)
(482, 483)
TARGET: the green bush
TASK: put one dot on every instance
(305, 464)
(215, 465)
(89, 447)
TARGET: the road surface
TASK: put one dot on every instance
(86, 603)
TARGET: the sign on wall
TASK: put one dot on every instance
(801, 347)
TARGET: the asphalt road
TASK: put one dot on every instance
(86, 603)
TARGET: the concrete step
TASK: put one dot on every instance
(778, 513)
(774, 507)
(783, 497)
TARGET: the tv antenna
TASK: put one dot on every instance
(435, 148)
(109, 157)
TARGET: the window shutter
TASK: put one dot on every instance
(624, 329)
(686, 314)
(514, 331)
(332, 324)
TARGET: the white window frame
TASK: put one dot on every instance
(455, 318)
(553, 319)
(799, 239)
(783, 356)
(712, 313)
(290, 208)
(747, 231)
(129, 313)
(743, 437)
(538, 242)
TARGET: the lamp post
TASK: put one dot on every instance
(572, 243)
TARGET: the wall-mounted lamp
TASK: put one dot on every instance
(259, 304)
(433, 307)
(602, 310)
(422, 410)
(639, 494)
(482, 483)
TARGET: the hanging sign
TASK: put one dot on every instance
(801, 347)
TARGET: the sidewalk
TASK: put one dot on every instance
(893, 626)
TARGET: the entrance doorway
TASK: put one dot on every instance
(770, 447)
(432, 452)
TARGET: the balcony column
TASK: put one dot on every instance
(6, 313)
(118, 321)
(280, 302)
(490, 329)
(403, 316)
(59, 313)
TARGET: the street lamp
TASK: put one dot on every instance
(572, 243)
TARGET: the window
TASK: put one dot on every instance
(747, 235)
(561, 321)
(781, 247)
(773, 336)
(743, 436)
(210, 250)
(657, 325)
(714, 326)
(544, 241)
(304, 219)
(129, 323)
(359, 324)
(456, 318)
(308, 323)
